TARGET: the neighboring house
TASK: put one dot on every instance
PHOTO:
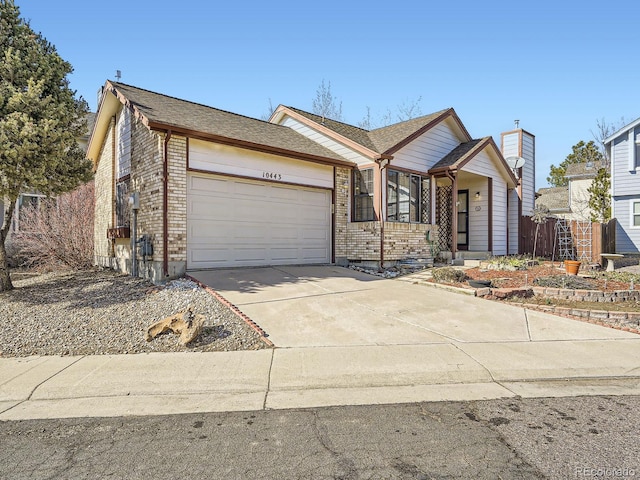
(217, 189)
(623, 149)
(571, 202)
(31, 198)
(556, 199)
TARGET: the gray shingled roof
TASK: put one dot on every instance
(583, 169)
(379, 140)
(386, 138)
(173, 112)
(554, 198)
(458, 154)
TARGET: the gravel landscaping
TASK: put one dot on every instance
(102, 312)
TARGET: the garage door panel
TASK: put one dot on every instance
(236, 222)
(284, 254)
(249, 190)
(314, 254)
(318, 234)
(250, 254)
(288, 194)
(210, 255)
(208, 185)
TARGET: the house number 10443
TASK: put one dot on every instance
(272, 176)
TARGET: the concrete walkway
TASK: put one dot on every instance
(342, 338)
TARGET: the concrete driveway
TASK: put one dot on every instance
(330, 306)
(342, 338)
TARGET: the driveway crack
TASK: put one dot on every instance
(266, 393)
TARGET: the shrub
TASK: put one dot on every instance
(565, 281)
(59, 232)
(511, 263)
(449, 275)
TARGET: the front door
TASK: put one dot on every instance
(463, 219)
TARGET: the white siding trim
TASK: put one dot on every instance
(632, 151)
(218, 158)
(632, 204)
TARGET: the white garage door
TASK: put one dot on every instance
(235, 222)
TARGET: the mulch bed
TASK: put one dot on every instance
(523, 278)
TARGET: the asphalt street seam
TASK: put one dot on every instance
(268, 389)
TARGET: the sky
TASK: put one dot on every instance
(558, 67)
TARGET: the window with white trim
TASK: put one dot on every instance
(635, 213)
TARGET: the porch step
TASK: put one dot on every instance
(472, 255)
(472, 263)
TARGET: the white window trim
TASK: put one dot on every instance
(632, 204)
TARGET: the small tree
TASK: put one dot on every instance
(40, 121)
(540, 215)
(582, 153)
(325, 104)
(600, 197)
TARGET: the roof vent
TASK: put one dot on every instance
(517, 122)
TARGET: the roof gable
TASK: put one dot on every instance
(384, 141)
(556, 199)
(466, 152)
(583, 170)
(622, 131)
(162, 112)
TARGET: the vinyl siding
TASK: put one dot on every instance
(579, 198)
(528, 174)
(513, 222)
(511, 145)
(217, 158)
(627, 236)
(625, 182)
(425, 151)
(478, 213)
(326, 141)
(499, 216)
(485, 166)
(124, 143)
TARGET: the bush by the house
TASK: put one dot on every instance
(58, 234)
(449, 275)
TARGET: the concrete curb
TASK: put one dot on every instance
(596, 317)
(234, 309)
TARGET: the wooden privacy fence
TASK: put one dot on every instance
(560, 239)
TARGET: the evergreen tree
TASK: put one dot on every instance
(40, 121)
(582, 153)
(600, 197)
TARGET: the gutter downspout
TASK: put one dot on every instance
(382, 162)
(165, 206)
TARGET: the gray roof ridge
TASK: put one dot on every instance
(300, 110)
(414, 119)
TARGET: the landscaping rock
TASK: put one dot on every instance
(184, 323)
